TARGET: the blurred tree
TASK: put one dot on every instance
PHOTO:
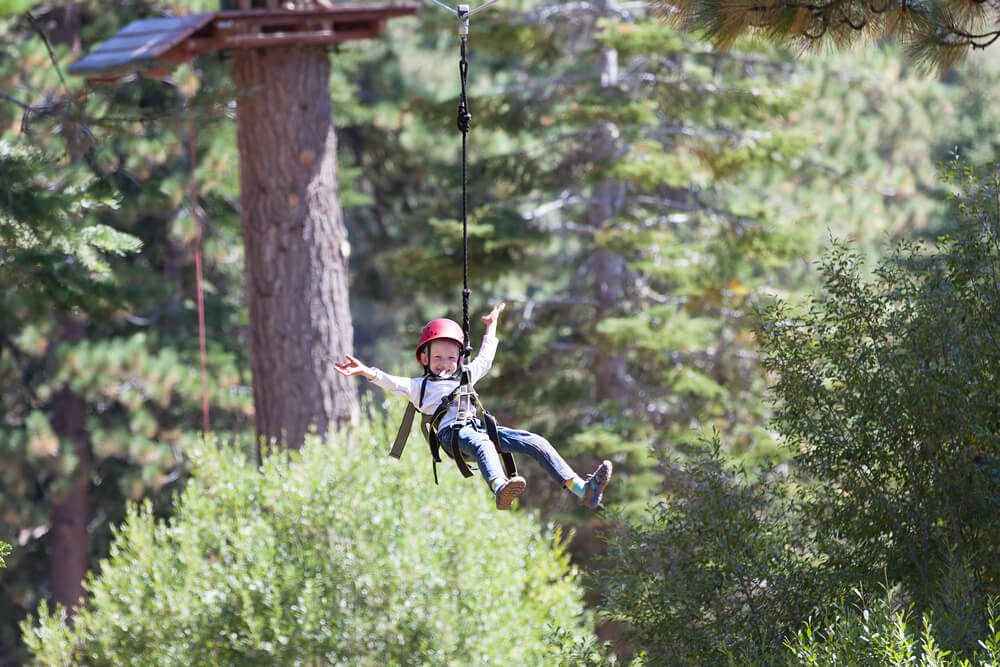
(580, 211)
(634, 327)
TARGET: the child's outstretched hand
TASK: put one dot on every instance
(354, 367)
(491, 318)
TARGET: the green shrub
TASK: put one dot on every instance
(714, 574)
(887, 389)
(881, 633)
(336, 556)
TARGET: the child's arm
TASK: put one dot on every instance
(492, 318)
(481, 365)
(353, 366)
(397, 385)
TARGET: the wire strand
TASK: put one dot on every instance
(199, 227)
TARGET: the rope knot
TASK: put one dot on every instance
(464, 118)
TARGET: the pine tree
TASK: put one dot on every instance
(99, 340)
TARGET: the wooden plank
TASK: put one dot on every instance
(272, 39)
(345, 12)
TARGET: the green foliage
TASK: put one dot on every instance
(575, 651)
(11, 7)
(886, 385)
(887, 391)
(881, 134)
(715, 573)
(939, 33)
(4, 551)
(139, 395)
(87, 174)
(879, 632)
(53, 243)
(728, 173)
(327, 555)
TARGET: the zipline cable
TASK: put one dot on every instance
(464, 124)
(464, 397)
(463, 14)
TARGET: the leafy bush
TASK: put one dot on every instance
(880, 633)
(888, 392)
(713, 575)
(335, 555)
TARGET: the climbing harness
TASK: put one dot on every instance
(469, 407)
(429, 429)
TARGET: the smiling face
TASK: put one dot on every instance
(441, 356)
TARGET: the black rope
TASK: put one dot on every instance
(464, 123)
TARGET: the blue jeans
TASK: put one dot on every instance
(474, 441)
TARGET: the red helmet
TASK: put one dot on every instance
(440, 329)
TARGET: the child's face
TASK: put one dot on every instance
(441, 356)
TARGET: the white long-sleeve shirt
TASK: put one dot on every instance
(438, 389)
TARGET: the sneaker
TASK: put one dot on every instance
(596, 483)
(509, 492)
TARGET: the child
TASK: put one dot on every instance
(439, 352)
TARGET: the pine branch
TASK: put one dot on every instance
(566, 198)
(934, 32)
(15, 101)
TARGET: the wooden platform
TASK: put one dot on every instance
(155, 46)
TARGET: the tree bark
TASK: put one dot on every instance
(295, 243)
(69, 542)
(609, 267)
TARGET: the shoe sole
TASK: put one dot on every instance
(508, 494)
(599, 495)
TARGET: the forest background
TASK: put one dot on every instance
(761, 284)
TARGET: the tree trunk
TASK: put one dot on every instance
(609, 267)
(69, 542)
(295, 242)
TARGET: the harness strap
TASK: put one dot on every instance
(493, 430)
(435, 444)
(431, 437)
(456, 453)
(403, 434)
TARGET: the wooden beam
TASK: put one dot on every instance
(272, 39)
(341, 12)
